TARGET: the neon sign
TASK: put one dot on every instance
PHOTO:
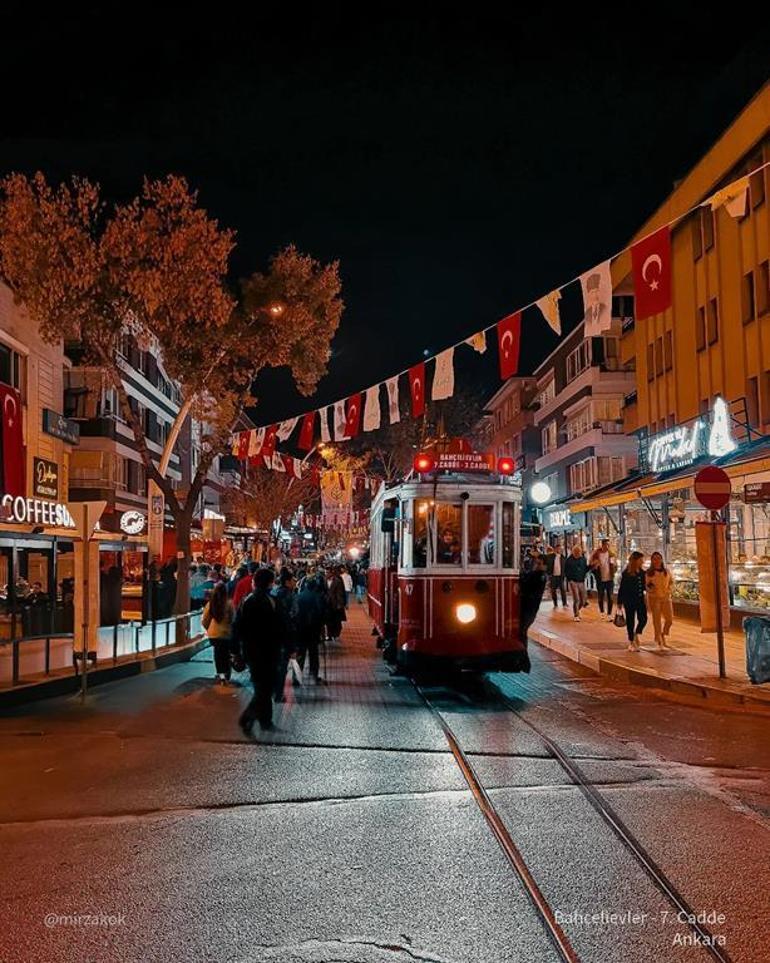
(35, 511)
(681, 446)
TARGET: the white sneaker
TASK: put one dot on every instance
(633, 647)
(577, 618)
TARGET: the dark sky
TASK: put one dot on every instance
(458, 162)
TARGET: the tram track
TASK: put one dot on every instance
(598, 803)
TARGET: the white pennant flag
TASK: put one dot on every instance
(597, 299)
(278, 464)
(444, 375)
(340, 420)
(372, 409)
(255, 442)
(393, 412)
(286, 428)
(297, 467)
(478, 341)
(325, 436)
(549, 305)
(733, 198)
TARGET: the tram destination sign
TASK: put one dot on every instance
(465, 461)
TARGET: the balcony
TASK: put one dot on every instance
(595, 440)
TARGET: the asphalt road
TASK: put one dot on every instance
(143, 826)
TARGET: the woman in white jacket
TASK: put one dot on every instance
(659, 599)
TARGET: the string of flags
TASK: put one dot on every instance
(651, 272)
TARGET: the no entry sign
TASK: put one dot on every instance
(713, 488)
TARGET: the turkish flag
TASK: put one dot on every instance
(651, 263)
(268, 445)
(508, 341)
(13, 473)
(243, 444)
(353, 416)
(417, 389)
(306, 431)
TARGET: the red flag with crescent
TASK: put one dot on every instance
(417, 389)
(306, 431)
(352, 416)
(243, 445)
(651, 264)
(268, 445)
(508, 341)
(13, 473)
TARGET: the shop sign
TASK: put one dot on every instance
(132, 522)
(465, 461)
(560, 518)
(684, 444)
(45, 478)
(35, 511)
(65, 429)
(756, 492)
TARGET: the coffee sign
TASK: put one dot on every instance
(45, 478)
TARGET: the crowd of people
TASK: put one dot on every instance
(273, 621)
(642, 591)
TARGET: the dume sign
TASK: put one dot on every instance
(685, 444)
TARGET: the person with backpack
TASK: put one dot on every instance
(218, 622)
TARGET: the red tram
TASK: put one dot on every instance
(444, 571)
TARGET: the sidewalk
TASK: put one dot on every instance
(690, 667)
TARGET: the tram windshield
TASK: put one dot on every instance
(481, 534)
(443, 533)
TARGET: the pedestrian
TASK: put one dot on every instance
(257, 631)
(575, 571)
(604, 565)
(554, 563)
(336, 603)
(631, 595)
(361, 585)
(235, 578)
(532, 586)
(197, 578)
(311, 615)
(347, 582)
(218, 622)
(286, 608)
(244, 584)
(659, 598)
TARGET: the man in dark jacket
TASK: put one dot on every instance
(336, 615)
(311, 612)
(532, 585)
(286, 609)
(576, 569)
(257, 629)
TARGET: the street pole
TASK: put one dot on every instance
(718, 597)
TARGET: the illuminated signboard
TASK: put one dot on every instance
(684, 444)
(465, 461)
(132, 522)
(35, 511)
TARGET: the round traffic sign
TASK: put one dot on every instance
(712, 487)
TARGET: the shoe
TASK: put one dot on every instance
(576, 618)
(246, 726)
(267, 727)
(633, 647)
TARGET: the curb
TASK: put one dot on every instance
(715, 695)
(68, 684)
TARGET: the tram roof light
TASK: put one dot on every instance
(505, 466)
(424, 463)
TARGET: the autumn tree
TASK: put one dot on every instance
(157, 268)
(266, 496)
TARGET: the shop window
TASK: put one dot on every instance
(757, 185)
(700, 329)
(748, 311)
(11, 367)
(668, 350)
(481, 534)
(713, 321)
(763, 288)
(697, 238)
(509, 535)
(448, 527)
(659, 357)
(650, 362)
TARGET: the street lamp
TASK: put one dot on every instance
(540, 493)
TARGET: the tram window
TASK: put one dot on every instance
(481, 534)
(420, 530)
(509, 531)
(448, 522)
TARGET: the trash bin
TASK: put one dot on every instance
(757, 629)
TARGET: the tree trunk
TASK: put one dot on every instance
(182, 525)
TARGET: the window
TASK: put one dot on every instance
(765, 399)
(420, 533)
(610, 469)
(448, 526)
(579, 424)
(763, 288)
(752, 401)
(650, 362)
(481, 534)
(747, 298)
(509, 535)
(659, 356)
(668, 350)
(713, 321)
(578, 360)
(552, 481)
(11, 367)
(700, 329)
(608, 414)
(546, 394)
(707, 226)
(549, 437)
(697, 239)
(596, 472)
(123, 474)
(757, 185)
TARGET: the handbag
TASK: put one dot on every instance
(619, 620)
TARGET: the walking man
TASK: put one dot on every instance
(576, 569)
(257, 629)
(604, 564)
(554, 564)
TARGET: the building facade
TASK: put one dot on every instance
(702, 363)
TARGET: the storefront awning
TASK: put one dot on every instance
(749, 459)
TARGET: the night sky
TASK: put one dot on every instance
(458, 162)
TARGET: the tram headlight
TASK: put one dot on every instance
(465, 613)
